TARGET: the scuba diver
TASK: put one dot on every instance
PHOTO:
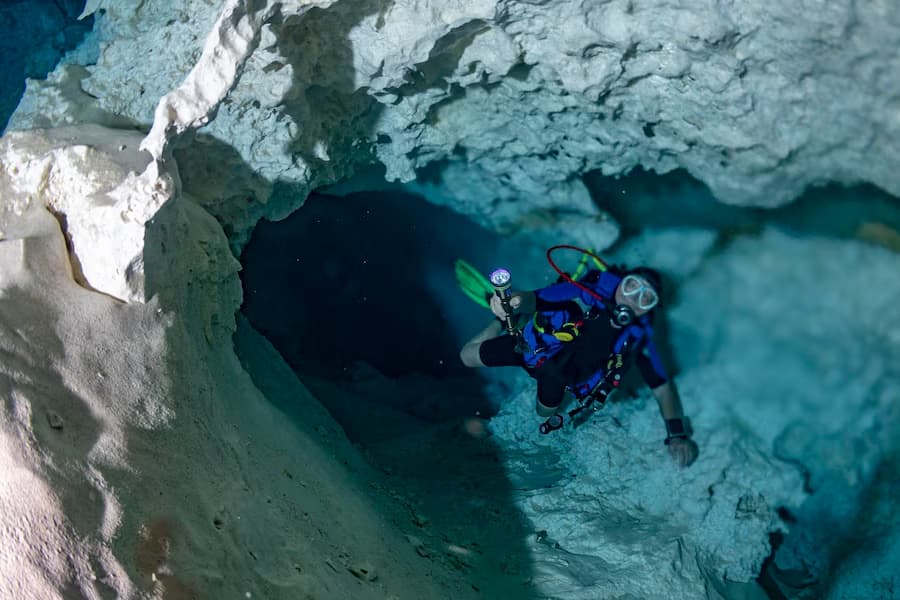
(577, 338)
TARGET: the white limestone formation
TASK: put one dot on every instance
(140, 460)
(98, 186)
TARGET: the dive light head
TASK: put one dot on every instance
(500, 279)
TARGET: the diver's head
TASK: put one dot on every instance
(636, 295)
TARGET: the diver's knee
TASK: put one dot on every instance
(545, 411)
(470, 355)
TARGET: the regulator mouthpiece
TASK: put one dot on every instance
(623, 315)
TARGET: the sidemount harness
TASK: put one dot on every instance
(595, 399)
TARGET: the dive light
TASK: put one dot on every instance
(501, 279)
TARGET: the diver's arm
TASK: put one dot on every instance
(654, 373)
(545, 298)
(669, 403)
(681, 447)
(678, 431)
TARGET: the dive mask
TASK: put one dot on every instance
(635, 287)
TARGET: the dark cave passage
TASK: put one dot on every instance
(358, 294)
(368, 279)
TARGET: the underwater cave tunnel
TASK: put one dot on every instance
(356, 290)
(358, 293)
(363, 284)
(361, 280)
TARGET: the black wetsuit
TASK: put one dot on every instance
(585, 358)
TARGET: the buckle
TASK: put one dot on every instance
(552, 424)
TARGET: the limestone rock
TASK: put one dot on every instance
(508, 103)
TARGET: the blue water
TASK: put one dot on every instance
(34, 36)
(366, 277)
(644, 200)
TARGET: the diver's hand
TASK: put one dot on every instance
(683, 451)
(497, 305)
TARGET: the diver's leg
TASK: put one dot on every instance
(550, 392)
(470, 355)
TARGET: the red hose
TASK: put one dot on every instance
(568, 277)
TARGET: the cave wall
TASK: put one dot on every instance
(508, 103)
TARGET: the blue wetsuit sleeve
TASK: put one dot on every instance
(561, 292)
(651, 366)
(546, 298)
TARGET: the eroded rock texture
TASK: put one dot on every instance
(507, 103)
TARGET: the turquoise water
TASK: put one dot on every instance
(36, 34)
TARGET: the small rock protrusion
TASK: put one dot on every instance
(54, 420)
(419, 545)
(363, 571)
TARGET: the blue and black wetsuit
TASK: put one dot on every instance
(580, 363)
